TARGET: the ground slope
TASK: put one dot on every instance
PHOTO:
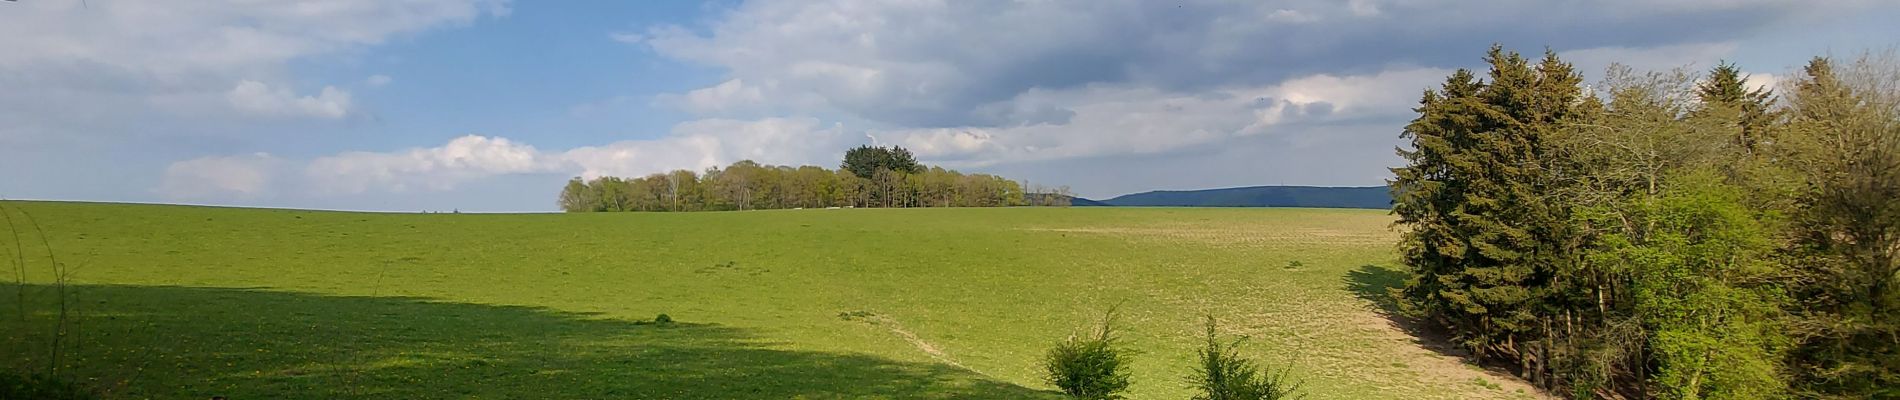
(189, 302)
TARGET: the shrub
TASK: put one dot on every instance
(1090, 367)
(663, 319)
(1224, 375)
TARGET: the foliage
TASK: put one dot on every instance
(1224, 375)
(1092, 366)
(747, 185)
(1696, 272)
(1725, 92)
(1682, 236)
(1844, 134)
(866, 161)
(1477, 200)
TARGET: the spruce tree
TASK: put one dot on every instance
(1483, 239)
(1725, 92)
(1427, 194)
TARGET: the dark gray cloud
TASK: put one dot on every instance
(1330, 155)
(940, 64)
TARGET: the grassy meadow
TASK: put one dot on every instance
(191, 302)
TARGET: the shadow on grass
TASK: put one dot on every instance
(1375, 284)
(180, 342)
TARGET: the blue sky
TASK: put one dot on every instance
(489, 105)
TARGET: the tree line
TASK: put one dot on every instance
(1669, 234)
(868, 177)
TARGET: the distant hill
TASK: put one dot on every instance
(1256, 196)
(1037, 198)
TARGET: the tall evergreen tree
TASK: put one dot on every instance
(1483, 240)
(1725, 92)
(1428, 194)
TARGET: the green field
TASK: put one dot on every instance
(190, 302)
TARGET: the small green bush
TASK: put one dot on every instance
(1091, 367)
(663, 319)
(856, 315)
(1224, 375)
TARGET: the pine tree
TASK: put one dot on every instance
(1725, 92)
(1483, 240)
(1427, 193)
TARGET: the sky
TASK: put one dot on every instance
(491, 105)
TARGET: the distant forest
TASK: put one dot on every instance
(868, 177)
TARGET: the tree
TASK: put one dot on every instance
(1697, 259)
(1725, 92)
(1608, 249)
(1844, 135)
(611, 193)
(747, 185)
(575, 197)
(865, 161)
(1475, 199)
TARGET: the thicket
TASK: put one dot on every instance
(1090, 366)
(1223, 374)
(1661, 235)
(868, 177)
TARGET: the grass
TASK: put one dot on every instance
(191, 302)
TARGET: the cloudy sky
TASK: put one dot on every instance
(489, 105)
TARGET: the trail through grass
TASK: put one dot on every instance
(189, 302)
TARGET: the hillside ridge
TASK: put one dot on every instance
(1374, 197)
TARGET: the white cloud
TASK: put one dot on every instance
(261, 99)
(1110, 120)
(692, 145)
(141, 66)
(241, 176)
(436, 168)
(174, 38)
(1760, 80)
(731, 95)
(714, 142)
(1594, 61)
